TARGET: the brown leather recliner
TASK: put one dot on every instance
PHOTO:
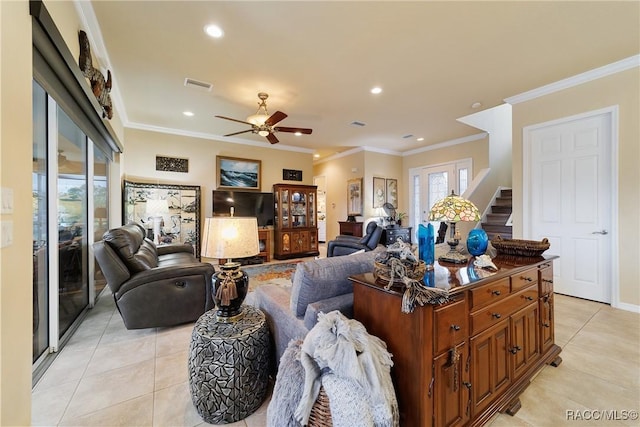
(153, 286)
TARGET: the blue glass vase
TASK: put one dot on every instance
(426, 243)
(477, 242)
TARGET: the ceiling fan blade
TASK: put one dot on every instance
(272, 138)
(293, 130)
(235, 120)
(238, 133)
(275, 118)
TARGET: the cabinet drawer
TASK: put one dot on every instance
(546, 280)
(451, 326)
(493, 313)
(490, 293)
(524, 279)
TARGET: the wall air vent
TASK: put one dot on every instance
(357, 123)
(196, 84)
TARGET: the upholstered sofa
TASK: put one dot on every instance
(153, 286)
(320, 285)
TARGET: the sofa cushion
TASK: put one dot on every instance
(326, 278)
(129, 243)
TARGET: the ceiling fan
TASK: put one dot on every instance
(265, 125)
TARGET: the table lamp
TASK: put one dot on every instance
(452, 209)
(228, 238)
(155, 210)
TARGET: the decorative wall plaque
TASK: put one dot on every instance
(172, 164)
(291, 175)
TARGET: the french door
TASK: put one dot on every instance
(433, 183)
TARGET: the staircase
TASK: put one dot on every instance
(500, 213)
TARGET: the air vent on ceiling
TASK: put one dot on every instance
(407, 136)
(357, 123)
(196, 84)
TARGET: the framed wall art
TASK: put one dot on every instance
(181, 223)
(354, 197)
(172, 164)
(379, 192)
(235, 173)
(392, 192)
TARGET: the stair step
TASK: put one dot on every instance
(503, 201)
(500, 209)
(496, 228)
(506, 192)
(498, 218)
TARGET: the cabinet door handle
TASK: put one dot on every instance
(546, 325)
(528, 298)
(455, 327)
(496, 292)
(515, 349)
(526, 279)
(547, 281)
(467, 384)
(431, 385)
(496, 315)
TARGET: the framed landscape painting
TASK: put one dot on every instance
(233, 173)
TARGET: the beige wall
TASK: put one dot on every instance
(139, 161)
(620, 89)
(15, 174)
(337, 172)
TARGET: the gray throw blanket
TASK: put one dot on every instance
(354, 368)
(358, 382)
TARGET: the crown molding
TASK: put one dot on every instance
(212, 137)
(582, 78)
(445, 144)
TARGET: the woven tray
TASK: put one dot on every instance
(530, 248)
(382, 272)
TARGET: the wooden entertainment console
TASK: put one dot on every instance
(459, 363)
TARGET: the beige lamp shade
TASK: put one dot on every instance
(454, 208)
(157, 207)
(230, 237)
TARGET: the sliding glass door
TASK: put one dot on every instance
(70, 188)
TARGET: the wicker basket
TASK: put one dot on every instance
(321, 411)
(529, 248)
(382, 272)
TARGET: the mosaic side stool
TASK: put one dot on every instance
(229, 366)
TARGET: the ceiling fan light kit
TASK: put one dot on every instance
(265, 125)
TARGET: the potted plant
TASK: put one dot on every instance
(399, 217)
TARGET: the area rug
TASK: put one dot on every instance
(276, 274)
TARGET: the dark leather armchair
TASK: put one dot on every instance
(153, 286)
(345, 245)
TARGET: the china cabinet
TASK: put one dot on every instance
(296, 224)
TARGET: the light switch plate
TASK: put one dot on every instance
(6, 233)
(7, 200)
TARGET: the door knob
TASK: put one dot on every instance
(603, 232)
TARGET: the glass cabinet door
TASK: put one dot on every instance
(284, 202)
(312, 209)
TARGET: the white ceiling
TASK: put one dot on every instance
(318, 61)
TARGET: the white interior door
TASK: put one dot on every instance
(570, 201)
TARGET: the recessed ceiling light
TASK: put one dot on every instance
(476, 105)
(376, 90)
(188, 113)
(420, 139)
(316, 156)
(213, 31)
(298, 133)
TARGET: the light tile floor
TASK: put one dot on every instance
(109, 376)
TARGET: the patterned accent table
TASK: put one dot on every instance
(229, 366)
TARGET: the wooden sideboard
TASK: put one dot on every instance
(459, 363)
(350, 228)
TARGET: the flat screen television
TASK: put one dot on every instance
(244, 203)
